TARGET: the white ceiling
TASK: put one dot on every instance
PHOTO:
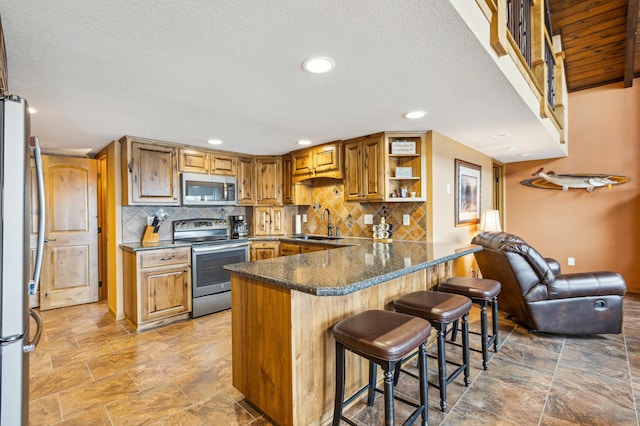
(188, 71)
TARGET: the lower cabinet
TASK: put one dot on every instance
(157, 286)
(264, 250)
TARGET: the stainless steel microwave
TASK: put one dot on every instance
(208, 190)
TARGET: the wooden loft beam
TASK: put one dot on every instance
(630, 50)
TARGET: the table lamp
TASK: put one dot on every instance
(490, 221)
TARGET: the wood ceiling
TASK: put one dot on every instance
(599, 40)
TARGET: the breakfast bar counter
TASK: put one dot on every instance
(283, 309)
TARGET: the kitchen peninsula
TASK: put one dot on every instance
(283, 310)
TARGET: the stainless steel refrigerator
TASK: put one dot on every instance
(17, 148)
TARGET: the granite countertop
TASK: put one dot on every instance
(357, 264)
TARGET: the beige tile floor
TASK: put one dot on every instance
(92, 370)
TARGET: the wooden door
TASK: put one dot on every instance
(70, 265)
(262, 221)
(154, 171)
(223, 164)
(277, 221)
(352, 165)
(165, 292)
(269, 177)
(373, 170)
(287, 184)
(246, 188)
(327, 159)
(193, 160)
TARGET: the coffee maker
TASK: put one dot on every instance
(239, 227)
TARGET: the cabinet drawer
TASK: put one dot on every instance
(164, 257)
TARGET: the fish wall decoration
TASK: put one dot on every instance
(588, 181)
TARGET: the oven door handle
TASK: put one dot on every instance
(212, 249)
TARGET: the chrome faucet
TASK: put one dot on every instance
(329, 226)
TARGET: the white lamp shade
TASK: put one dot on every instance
(490, 221)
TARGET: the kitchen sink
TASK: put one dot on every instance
(315, 237)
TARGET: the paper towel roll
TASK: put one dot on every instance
(298, 227)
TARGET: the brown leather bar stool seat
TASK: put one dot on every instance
(440, 309)
(383, 338)
(483, 292)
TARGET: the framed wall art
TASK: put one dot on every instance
(467, 196)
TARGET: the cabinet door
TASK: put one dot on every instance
(288, 249)
(246, 184)
(308, 248)
(153, 174)
(193, 161)
(165, 292)
(277, 221)
(352, 164)
(373, 168)
(262, 221)
(326, 159)
(287, 185)
(301, 163)
(223, 164)
(261, 251)
(269, 180)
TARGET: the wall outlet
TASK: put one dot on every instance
(304, 218)
(368, 219)
(571, 261)
(406, 220)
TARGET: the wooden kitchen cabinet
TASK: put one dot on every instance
(319, 161)
(364, 168)
(246, 180)
(269, 179)
(289, 249)
(223, 164)
(298, 194)
(157, 286)
(415, 161)
(193, 160)
(269, 221)
(149, 172)
(264, 250)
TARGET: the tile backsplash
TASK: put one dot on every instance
(134, 219)
(349, 216)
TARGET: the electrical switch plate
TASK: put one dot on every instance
(448, 188)
(406, 220)
(304, 218)
(571, 261)
(368, 219)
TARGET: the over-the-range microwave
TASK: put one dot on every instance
(208, 190)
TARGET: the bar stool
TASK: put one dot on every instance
(440, 309)
(384, 338)
(482, 292)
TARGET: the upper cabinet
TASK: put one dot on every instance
(388, 166)
(319, 161)
(193, 160)
(246, 181)
(149, 172)
(269, 178)
(406, 166)
(364, 168)
(223, 163)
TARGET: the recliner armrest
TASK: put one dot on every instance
(554, 265)
(587, 284)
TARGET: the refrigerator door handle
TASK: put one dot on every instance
(33, 284)
(36, 338)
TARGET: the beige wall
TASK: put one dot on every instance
(441, 222)
(599, 229)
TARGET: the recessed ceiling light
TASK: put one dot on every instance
(318, 64)
(527, 154)
(501, 135)
(511, 148)
(32, 110)
(214, 141)
(304, 142)
(415, 114)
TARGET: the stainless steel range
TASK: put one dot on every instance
(211, 249)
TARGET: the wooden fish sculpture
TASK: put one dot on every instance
(566, 181)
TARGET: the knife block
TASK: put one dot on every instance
(149, 236)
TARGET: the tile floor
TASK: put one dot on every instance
(92, 370)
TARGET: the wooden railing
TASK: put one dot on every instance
(518, 30)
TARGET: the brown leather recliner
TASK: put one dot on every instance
(536, 294)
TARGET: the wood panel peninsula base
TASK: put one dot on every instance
(283, 309)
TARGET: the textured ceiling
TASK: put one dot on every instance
(188, 71)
